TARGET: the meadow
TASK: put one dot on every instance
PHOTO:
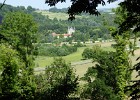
(80, 66)
(42, 61)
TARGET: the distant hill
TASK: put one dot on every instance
(105, 10)
(62, 13)
(56, 20)
(58, 15)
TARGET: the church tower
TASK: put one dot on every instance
(71, 30)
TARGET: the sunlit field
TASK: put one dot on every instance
(80, 69)
(42, 61)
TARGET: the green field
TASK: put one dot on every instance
(42, 61)
(52, 15)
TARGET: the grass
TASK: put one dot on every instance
(81, 69)
(108, 48)
(42, 61)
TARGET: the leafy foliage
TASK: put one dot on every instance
(79, 6)
(20, 36)
(132, 22)
(91, 53)
(58, 82)
(9, 83)
(50, 50)
(113, 68)
(122, 57)
(132, 19)
(98, 90)
(101, 78)
(134, 89)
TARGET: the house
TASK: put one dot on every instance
(61, 35)
(65, 35)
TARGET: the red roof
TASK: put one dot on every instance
(54, 34)
(66, 34)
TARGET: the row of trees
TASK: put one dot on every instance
(53, 51)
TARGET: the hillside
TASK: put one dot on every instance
(56, 20)
(58, 15)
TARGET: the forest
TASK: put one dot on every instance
(29, 34)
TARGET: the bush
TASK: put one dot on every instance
(58, 83)
(98, 90)
(50, 50)
(91, 53)
(101, 78)
(87, 53)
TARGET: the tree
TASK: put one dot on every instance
(123, 65)
(98, 90)
(20, 31)
(91, 53)
(134, 89)
(87, 53)
(59, 81)
(122, 56)
(30, 9)
(132, 19)
(3, 4)
(9, 82)
(101, 78)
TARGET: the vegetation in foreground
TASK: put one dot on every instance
(112, 73)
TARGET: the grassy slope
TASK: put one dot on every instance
(52, 15)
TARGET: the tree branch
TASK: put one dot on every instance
(3, 4)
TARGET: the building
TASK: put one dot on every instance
(71, 30)
(65, 35)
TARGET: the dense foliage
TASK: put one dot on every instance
(79, 6)
(50, 50)
(105, 81)
(91, 53)
(18, 67)
(18, 81)
(9, 64)
(101, 78)
(58, 82)
(134, 89)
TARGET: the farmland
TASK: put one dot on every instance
(80, 66)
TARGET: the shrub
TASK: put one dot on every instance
(58, 82)
(50, 50)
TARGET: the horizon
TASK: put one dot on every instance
(40, 4)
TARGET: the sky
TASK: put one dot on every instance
(41, 4)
